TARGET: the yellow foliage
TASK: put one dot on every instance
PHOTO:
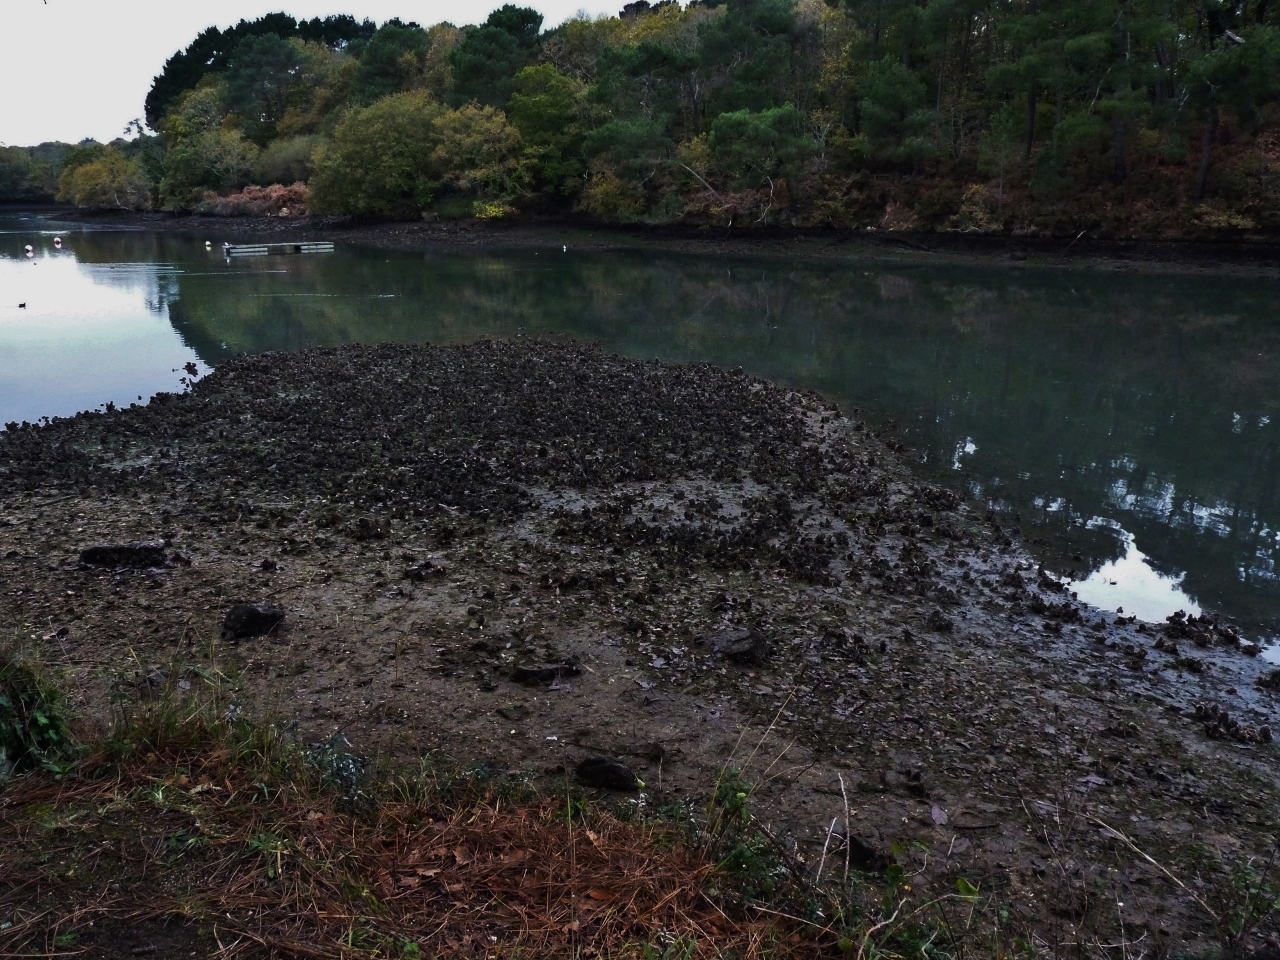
(977, 213)
(478, 150)
(491, 210)
(111, 182)
(611, 198)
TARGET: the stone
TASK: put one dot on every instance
(739, 644)
(139, 555)
(606, 773)
(251, 620)
(542, 672)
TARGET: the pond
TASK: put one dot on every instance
(1126, 423)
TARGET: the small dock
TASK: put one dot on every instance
(235, 250)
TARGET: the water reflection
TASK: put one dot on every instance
(86, 334)
(1132, 586)
(1058, 396)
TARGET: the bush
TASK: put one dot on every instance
(33, 725)
(750, 147)
(380, 159)
(273, 201)
(286, 161)
(112, 181)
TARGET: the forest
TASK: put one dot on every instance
(1122, 117)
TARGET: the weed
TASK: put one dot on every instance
(337, 768)
(34, 730)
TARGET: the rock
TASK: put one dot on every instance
(864, 857)
(606, 773)
(940, 622)
(738, 644)
(139, 555)
(542, 672)
(251, 620)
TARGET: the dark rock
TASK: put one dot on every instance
(251, 620)
(606, 773)
(1269, 681)
(139, 555)
(542, 672)
(940, 621)
(864, 857)
(738, 644)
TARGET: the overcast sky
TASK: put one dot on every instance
(71, 69)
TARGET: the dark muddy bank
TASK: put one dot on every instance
(1244, 255)
(533, 553)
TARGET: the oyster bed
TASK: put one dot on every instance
(532, 553)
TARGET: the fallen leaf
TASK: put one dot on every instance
(939, 815)
(599, 893)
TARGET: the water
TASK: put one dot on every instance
(1126, 423)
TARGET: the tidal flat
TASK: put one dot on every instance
(531, 553)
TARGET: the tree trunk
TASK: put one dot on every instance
(1031, 123)
(1260, 14)
(1206, 149)
(1120, 170)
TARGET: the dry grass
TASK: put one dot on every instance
(225, 827)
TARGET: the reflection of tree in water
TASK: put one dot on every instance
(1141, 398)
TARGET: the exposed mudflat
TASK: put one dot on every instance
(532, 553)
(1238, 255)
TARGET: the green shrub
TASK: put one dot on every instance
(33, 721)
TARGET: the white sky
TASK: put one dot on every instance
(71, 69)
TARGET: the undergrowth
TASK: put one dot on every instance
(185, 812)
(34, 728)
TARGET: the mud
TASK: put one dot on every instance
(531, 554)
(1233, 254)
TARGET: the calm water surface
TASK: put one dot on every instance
(1128, 423)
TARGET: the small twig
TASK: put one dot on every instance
(826, 843)
(848, 839)
(883, 923)
(701, 180)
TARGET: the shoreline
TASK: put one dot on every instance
(1260, 256)
(529, 552)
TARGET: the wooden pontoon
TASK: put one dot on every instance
(230, 250)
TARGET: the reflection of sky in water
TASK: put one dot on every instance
(89, 334)
(1132, 585)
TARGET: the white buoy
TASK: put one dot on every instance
(57, 241)
(30, 251)
(566, 249)
(208, 245)
(29, 248)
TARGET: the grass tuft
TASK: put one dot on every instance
(34, 729)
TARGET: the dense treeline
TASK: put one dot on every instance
(988, 115)
(30, 174)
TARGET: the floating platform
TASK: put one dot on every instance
(230, 250)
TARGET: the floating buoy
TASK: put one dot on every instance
(57, 241)
(208, 245)
(566, 249)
